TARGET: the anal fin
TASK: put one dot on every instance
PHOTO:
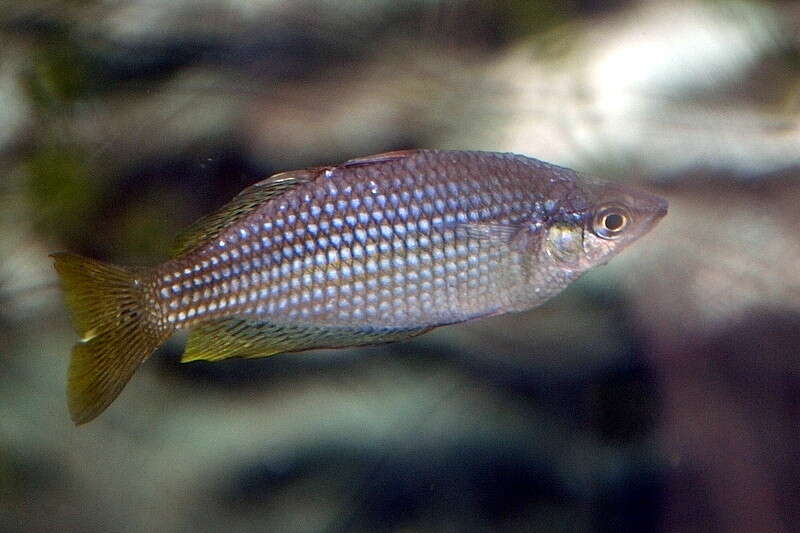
(242, 337)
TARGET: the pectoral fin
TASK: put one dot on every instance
(498, 233)
(240, 337)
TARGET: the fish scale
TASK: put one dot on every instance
(381, 242)
(377, 249)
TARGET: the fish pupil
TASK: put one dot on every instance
(614, 221)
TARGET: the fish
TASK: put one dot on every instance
(376, 249)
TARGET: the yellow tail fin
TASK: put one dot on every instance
(117, 331)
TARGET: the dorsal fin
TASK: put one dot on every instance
(241, 205)
(243, 337)
(379, 158)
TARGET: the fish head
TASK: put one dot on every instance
(596, 222)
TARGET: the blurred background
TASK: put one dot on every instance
(659, 393)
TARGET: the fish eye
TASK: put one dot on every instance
(610, 221)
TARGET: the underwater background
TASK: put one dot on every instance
(659, 393)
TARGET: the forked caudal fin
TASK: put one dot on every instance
(108, 308)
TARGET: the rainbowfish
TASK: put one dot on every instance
(374, 250)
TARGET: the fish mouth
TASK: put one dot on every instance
(650, 210)
(649, 206)
(661, 208)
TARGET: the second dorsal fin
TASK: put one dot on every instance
(241, 205)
